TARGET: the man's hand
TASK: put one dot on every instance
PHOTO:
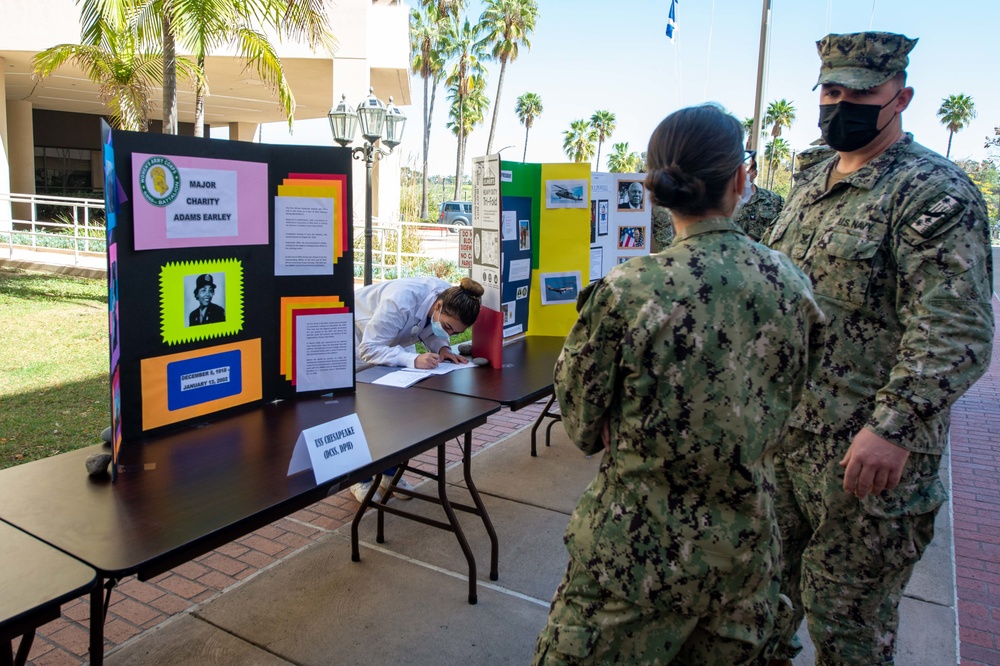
(873, 464)
(427, 361)
(447, 354)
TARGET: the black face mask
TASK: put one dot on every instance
(848, 126)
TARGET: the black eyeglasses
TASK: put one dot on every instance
(748, 156)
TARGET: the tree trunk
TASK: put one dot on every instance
(427, 140)
(169, 74)
(459, 162)
(496, 105)
(597, 164)
(524, 157)
(947, 154)
(199, 101)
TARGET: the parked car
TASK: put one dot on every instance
(456, 212)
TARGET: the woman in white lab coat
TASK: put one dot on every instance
(390, 317)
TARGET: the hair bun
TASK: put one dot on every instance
(471, 287)
(671, 187)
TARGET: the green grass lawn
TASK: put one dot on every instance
(54, 393)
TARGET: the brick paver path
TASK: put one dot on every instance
(975, 469)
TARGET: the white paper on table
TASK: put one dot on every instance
(303, 236)
(324, 351)
(520, 269)
(402, 378)
(445, 367)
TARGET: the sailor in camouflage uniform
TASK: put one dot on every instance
(758, 215)
(894, 238)
(685, 365)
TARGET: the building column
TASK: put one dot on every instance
(5, 218)
(21, 154)
(242, 131)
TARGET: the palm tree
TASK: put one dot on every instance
(203, 25)
(508, 24)
(461, 41)
(126, 76)
(528, 107)
(776, 151)
(621, 160)
(578, 141)
(604, 123)
(779, 114)
(427, 61)
(955, 113)
(461, 121)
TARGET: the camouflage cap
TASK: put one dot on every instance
(862, 60)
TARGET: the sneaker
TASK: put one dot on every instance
(384, 487)
(359, 490)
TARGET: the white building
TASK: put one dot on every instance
(50, 130)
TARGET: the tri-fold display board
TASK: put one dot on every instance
(530, 249)
(230, 277)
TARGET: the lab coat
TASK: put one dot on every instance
(389, 318)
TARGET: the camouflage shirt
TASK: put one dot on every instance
(899, 257)
(758, 215)
(696, 356)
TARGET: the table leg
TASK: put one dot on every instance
(544, 413)
(487, 523)
(453, 519)
(355, 550)
(98, 614)
(21, 658)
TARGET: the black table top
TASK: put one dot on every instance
(184, 493)
(35, 580)
(526, 375)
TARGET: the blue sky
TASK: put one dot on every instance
(592, 54)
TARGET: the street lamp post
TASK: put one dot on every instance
(378, 123)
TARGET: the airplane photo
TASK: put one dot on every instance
(560, 290)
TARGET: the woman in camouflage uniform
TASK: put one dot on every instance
(684, 365)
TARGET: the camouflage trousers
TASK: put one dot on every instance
(848, 559)
(589, 625)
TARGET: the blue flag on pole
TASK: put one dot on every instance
(672, 20)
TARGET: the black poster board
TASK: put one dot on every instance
(176, 360)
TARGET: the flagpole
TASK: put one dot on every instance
(765, 33)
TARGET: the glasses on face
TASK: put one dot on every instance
(748, 156)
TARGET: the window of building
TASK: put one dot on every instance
(64, 172)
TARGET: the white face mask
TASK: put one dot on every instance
(745, 197)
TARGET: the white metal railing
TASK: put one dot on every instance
(53, 223)
(438, 250)
(49, 223)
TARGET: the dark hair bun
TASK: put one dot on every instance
(471, 287)
(672, 188)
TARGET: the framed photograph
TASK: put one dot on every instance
(200, 300)
(560, 287)
(602, 217)
(631, 238)
(566, 194)
(622, 260)
(524, 234)
(631, 196)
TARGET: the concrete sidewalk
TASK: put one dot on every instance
(405, 602)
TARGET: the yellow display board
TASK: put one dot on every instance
(563, 247)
